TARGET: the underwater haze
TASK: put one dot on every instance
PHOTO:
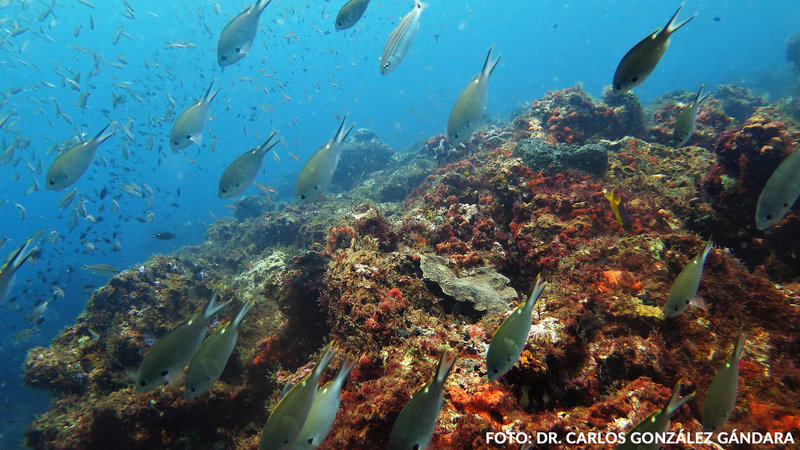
(70, 68)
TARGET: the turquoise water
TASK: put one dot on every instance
(300, 77)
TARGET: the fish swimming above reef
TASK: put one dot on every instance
(102, 269)
(400, 40)
(323, 410)
(239, 175)
(620, 213)
(165, 361)
(416, 423)
(657, 422)
(780, 192)
(509, 340)
(684, 289)
(286, 420)
(212, 356)
(188, 127)
(238, 35)
(470, 104)
(12, 263)
(163, 236)
(722, 392)
(73, 163)
(317, 172)
(350, 13)
(684, 126)
(641, 60)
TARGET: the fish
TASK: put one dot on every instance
(70, 165)
(509, 340)
(239, 175)
(101, 269)
(414, 426)
(164, 236)
(323, 410)
(211, 357)
(684, 288)
(165, 361)
(620, 213)
(238, 35)
(684, 126)
(471, 104)
(188, 127)
(641, 60)
(350, 13)
(37, 313)
(317, 172)
(780, 192)
(12, 263)
(721, 394)
(67, 199)
(401, 38)
(658, 421)
(286, 420)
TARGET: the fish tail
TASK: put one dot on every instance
(670, 28)
(261, 4)
(699, 93)
(246, 307)
(266, 146)
(446, 362)
(340, 135)
(209, 95)
(99, 138)
(675, 400)
(707, 250)
(488, 66)
(330, 352)
(740, 338)
(538, 287)
(213, 307)
(347, 366)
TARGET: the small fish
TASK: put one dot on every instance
(286, 420)
(323, 410)
(165, 361)
(37, 313)
(211, 357)
(684, 126)
(350, 13)
(471, 103)
(164, 236)
(12, 264)
(780, 192)
(401, 38)
(684, 288)
(721, 395)
(21, 211)
(509, 340)
(238, 35)
(317, 172)
(188, 127)
(414, 427)
(73, 163)
(101, 269)
(239, 175)
(620, 213)
(657, 422)
(641, 60)
(132, 189)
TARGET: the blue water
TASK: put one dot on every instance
(300, 77)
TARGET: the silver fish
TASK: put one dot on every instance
(73, 163)
(685, 286)
(414, 427)
(780, 192)
(211, 357)
(470, 104)
(317, 172)
(238, 35)
(641, 60)
(401, 38)
(12, 264)
(684, 126)
(243, 170)
(350, 13)
(722, 392)
(188, 127)
(657, 422)
(323, 410)
(165, 361)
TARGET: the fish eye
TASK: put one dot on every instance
(769, 216)
(675, 309)
(193, 389)
(238, 49)
(687, 301)
(455, 135)
(386, 65)
(224, 57)
(785, 205)
(52, 182)
(303, 197)
(188, 137)
(164, 373)
(143, 383)
(224, 190)
(494, 370)
(635, 79)
(176, 142)
(310, 440)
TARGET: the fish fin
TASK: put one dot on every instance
(699, 302)
(99, 138)
(131, 372)
(213, 307)
(675, 400)
(197, 139)
(210, 95)
(670, 28)
(699, 93)
(243, 312)
(344, 371)
(446, 362)
(538, 287)
(266, 146)
(260, 5)
(175, 377)
(740, 338)
(330, 352)
(708, 94)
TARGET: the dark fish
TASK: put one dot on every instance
(164, 236)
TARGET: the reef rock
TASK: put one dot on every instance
(539, 155)
(486, 289)
(362, 154)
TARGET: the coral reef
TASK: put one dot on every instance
(359, 269)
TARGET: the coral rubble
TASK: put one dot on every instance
(394, 277)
